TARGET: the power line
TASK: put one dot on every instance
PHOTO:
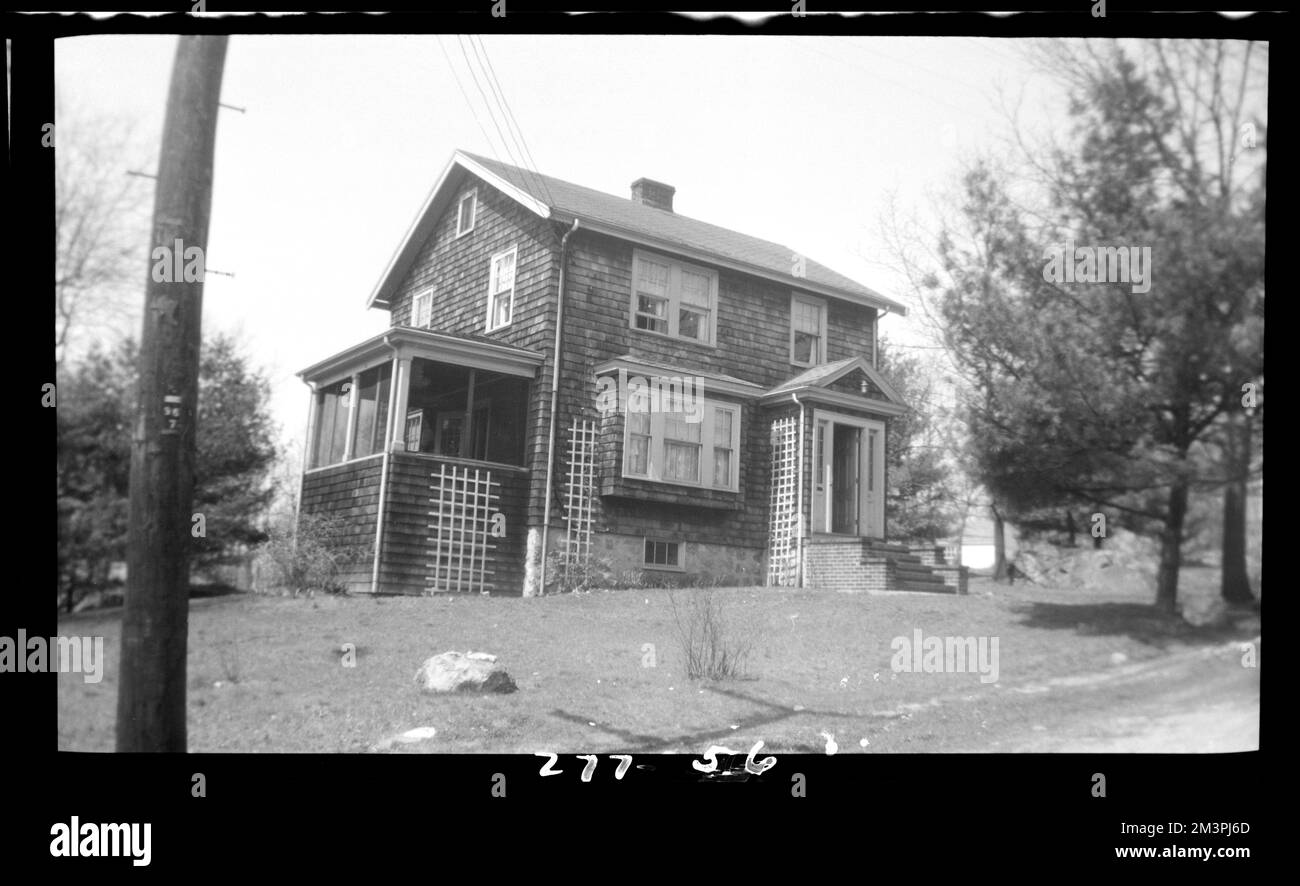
(512, 123)
(470, 104)
(487, 104)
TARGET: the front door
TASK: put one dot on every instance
(845, 468)
(848, 475)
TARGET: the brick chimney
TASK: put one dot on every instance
(653, 193)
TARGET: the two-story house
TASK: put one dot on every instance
(582, 375)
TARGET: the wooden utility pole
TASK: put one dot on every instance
(155, 622)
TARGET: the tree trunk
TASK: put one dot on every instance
(1171, 548)
(999, 546)
(1235, 579)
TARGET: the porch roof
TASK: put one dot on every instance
(442, 347)
(814, 384)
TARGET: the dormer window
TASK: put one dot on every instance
(807, 330)
(465, 212)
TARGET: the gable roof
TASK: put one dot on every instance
(819, 378)
(625, 219)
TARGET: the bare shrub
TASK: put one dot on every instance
(715, 643)
(306, 555)
(563, 577)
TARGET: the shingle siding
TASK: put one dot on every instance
(459, 269)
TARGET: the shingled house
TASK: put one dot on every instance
(715, 412)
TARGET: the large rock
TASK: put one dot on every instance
(463, 672)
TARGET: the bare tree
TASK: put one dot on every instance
(101, 226)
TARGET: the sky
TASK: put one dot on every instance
(801, 140)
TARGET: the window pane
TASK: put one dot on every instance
(638, 455)
(671, 549)
(722, 427)
(479, 436)
(327, 406)
(676, 427)
(695, 289)
(652, 313)
(449, 428)
(806, 348)
(638, 422)
(367, 413)
(651, 276)
(501, 308)
(414, 427)
(381, 421)
(466, 213)
(423, 312)
(807, 317)
(681, 462)
(651, 306)
(504, 271)
(693, 324)
(722, 468)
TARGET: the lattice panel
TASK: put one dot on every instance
(783, 540)
(463, 503)
(580, 493)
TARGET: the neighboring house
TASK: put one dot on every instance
(716, 412)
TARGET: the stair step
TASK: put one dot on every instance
(920, 579)
(939, 588)
(900, 559)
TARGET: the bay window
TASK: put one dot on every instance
(667, 447)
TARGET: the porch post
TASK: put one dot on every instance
(392, 424)
(402, 390)
(313, 416)
(353, 396)
(383, 479)
(467, 427)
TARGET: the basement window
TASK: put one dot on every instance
(465, 211)
(663, 554)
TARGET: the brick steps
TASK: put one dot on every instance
(856, 565)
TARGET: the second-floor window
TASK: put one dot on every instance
(807, 330)
(422, 309)
(501, 289)
(666, 447)
(673, 298)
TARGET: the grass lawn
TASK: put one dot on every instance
(265, 673)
